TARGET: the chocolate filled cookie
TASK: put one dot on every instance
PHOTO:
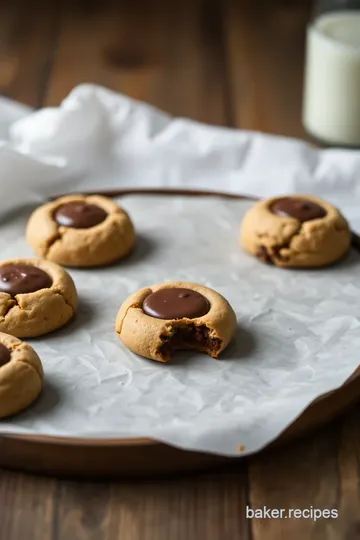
(36, 297)
(297, 231)
(21, 375)
(79, 231)
(156, 321)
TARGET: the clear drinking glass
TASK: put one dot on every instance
(331, 107)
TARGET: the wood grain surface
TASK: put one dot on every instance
(234, 63)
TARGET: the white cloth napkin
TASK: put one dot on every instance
(101, 139)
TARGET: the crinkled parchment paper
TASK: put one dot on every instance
(298, 336)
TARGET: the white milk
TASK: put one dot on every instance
(331, 110)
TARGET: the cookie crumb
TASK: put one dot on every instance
(241, 448)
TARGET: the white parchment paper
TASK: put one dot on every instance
(298, 336)
(298, 332)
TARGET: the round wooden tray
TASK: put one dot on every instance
(111, 458)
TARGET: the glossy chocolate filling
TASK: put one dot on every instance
(79, 215)
(176, 303)
(23, 279)
(300, 209)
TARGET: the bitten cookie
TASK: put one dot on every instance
(156, 321)
(79, 231)
(296, 231)
(21, 375)
(36, 297)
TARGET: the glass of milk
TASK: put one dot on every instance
(331, 108)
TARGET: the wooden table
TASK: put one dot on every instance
(228, 63)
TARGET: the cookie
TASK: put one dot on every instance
(156, 321)
(21, 375)
(297, 231)
(79, 231)
(36, 297)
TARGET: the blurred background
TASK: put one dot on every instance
(227, 62)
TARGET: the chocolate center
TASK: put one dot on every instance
(21, 279)
(4, 355)
(79, 215)
(176, 303)
(300, 209)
